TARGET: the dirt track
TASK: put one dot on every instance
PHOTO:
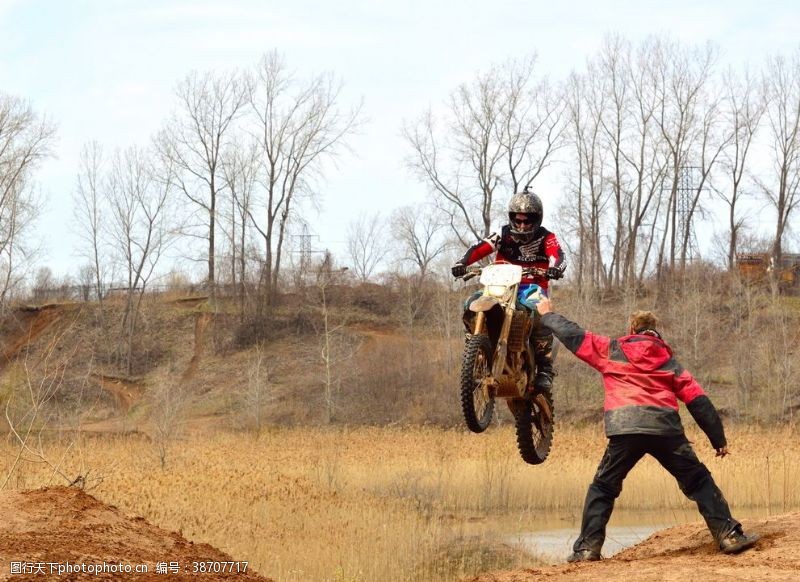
(65, 525)
(685, 553)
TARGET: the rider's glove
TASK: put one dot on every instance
(553, 273)
(458, 270)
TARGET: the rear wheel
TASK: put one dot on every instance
(534, 418)
(477, 403)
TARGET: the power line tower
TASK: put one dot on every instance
(686, 192)
(305, 250)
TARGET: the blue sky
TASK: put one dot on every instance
(106, 70)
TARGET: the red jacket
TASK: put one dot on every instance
(542, 251)
(643, 382)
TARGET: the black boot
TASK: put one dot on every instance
(544, 380)
(543, 354)
(583, 556)
(737, 541)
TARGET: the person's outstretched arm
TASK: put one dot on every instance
(591, 348)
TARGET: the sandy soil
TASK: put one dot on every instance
(65, 525)
(685, 553)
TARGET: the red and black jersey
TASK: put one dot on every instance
(643, 382)
(542, 251)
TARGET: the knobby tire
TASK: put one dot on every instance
(534, 431)
(477, 353)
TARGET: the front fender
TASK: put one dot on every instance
(483, 303)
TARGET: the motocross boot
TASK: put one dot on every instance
(543, 354)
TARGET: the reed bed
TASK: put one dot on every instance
(389, 503)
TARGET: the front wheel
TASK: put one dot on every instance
(477, 402)
(534, 418)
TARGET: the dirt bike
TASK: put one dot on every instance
(498, 360)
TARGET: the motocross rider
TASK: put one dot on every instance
(525, 242)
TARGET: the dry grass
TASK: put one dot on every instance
(391, 504)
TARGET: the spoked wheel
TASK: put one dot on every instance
(534, 418)
(476, 371)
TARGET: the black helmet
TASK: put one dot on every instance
(525, 203)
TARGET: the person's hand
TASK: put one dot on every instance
(553, 273)
(544, 306)
(458, 270)
(722, 451)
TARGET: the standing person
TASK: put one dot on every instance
(525, 242)
(643, 383)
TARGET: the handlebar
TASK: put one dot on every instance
(535, 271)
(473, 272)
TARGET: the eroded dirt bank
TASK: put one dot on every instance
(683, 553)
(61, 525)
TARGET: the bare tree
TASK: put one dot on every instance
(29, 401)
(194, 142)
(43, 283)
(646, 158)
(258, 392)
(585, 105)
(419, 234)
(681, 75)
(25, 141)
(714, 136)
(90, 216)
(86, 281)
(366, 245)
(240, 167)
(499, 131)
(744, 108)
(616, 89)
(167, 413)
(139, 228)
(300, 126)
(334, 348)
(620, 163)
(782, 86)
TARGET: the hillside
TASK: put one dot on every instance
(227, 371)
(385, 357)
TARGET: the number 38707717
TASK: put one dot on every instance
(213, 567)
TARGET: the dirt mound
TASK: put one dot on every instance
(45, 529)
(685, 552)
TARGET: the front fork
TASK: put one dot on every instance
(480, 321)
(501, 352)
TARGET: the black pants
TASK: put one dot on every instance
(676, 455)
